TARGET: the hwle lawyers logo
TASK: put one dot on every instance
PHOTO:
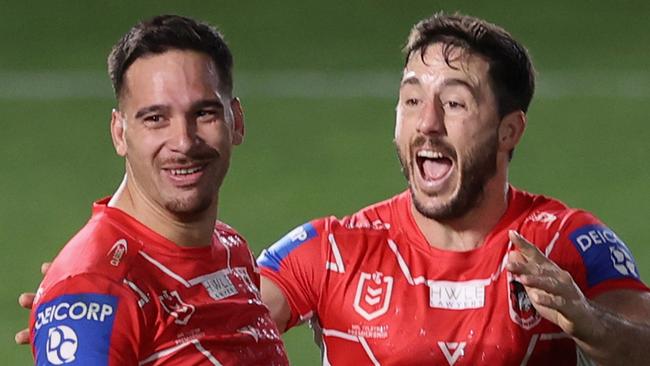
(372, 298)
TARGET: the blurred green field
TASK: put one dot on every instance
(318, 82)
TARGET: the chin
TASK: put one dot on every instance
(435, 208)
(188, 206)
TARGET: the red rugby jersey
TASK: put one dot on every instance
(120, 294)
(383, 296)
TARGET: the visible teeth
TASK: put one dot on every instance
(185, 171)
(430, 154)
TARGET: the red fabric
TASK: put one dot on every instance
(153, 278)
(396, 300)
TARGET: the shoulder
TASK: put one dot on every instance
(578, 241)
(101, 247)
(374, 219)
(228, 239)
(550, 216)
(317, 236)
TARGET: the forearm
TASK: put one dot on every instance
(611, 339)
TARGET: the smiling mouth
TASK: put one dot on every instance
(186, 176)
(433, 165)
(186, 171)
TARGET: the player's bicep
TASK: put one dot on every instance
(278, 305)
(294, 264)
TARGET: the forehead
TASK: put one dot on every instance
(172, 73)
(432, 66)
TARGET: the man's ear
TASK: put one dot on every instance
(511, 129)
(118, 128)
(238, 126)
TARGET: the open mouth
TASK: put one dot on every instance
(433, 165)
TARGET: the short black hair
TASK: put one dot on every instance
(511, 71)
(168, 32)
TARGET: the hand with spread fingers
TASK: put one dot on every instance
(552, 290)
(606, 335)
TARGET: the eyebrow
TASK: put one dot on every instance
(411, 80)
(414, 80)
(456, 82)
(473, 89)
(205, 103)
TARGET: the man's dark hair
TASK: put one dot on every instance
(169, 32)
(511, 71)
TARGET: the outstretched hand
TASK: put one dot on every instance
(551, 290)
(26, 300)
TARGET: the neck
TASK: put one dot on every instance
(194, 231)
(468, 231)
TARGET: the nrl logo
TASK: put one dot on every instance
(373, 295)
(172, 303)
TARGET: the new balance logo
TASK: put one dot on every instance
(458, 349)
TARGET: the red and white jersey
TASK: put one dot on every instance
(383, 296)
(120, 294)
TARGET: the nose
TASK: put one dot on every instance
(183, 135)
(431, 120)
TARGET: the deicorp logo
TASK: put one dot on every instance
(61, 345)
(75, 329)
(604, 254)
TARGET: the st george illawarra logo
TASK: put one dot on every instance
(176, 307)
(373, 295)
(521, 309)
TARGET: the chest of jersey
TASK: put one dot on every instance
(397, 304)
(204, 314)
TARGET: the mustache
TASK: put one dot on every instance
(436, 143)
(195, 155)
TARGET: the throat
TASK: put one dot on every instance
(184, 233)
(453, 236)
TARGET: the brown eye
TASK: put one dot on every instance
(412, 102)
(154, 118)
(452, 104)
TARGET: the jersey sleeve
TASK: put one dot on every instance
(86, 320)
(295, 265)
(595, 255)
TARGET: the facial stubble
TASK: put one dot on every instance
(479, 165)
